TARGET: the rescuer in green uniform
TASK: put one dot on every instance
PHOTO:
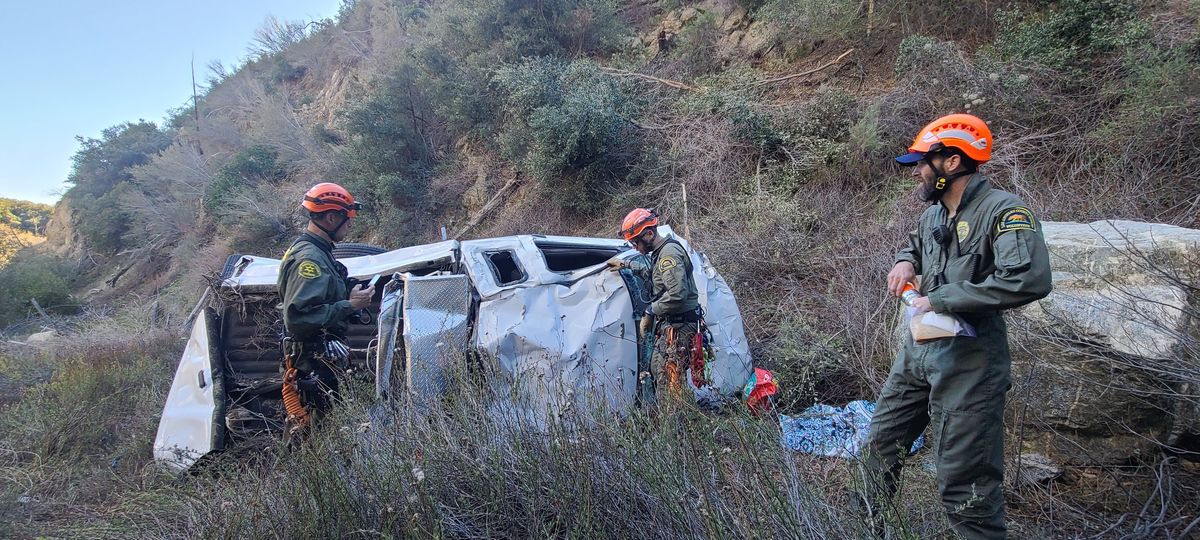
(674, 302)
(979, 251)
(317, 298)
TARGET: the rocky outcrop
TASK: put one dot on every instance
(61, 236)
(741, 35)
(1105, 368)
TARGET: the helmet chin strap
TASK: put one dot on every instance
(934, 194)
(331, 233)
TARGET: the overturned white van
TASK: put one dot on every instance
(561, 329)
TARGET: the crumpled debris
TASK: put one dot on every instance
(825, 430)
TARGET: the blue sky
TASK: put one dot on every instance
(75, 67)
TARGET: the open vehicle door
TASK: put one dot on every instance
(192, 422)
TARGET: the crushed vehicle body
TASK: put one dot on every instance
(559, 329)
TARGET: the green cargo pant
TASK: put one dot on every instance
(958, 386)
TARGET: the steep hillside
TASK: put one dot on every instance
(779, 119)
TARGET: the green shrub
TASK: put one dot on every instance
(828, 115)
(1067, 34)
(391, 147)
(33, 276)
(101, 169)
(389, 128)
(566, 124)
(937, 77)
(729, 95)
(806, 362)
(1149, 139)
(811, 19)
(24, 215)
(465, 42)
(251, 167)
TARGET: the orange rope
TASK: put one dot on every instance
(297, 414)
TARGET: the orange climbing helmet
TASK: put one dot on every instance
(637, 221)
(964, 132)
(327, 196)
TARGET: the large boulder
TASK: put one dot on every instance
(1106, 368)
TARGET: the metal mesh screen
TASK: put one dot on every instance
(435, 330)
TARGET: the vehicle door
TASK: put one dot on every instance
(192, 422)
(562, 339)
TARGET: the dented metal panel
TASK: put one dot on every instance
(562, 346)
(556, 334)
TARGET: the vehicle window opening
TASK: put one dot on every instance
(565, 258)
(506, 268)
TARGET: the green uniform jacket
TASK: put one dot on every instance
(673, 288)
(314, 290)
(994, 256)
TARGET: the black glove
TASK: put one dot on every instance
(616, 265)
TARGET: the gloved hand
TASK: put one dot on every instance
(615, 265)
(647, 323)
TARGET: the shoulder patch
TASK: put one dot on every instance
(1015, 219)
(667, 263)
(309, 270)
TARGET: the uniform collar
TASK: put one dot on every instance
(977, 185)
(662, 244)
(315, 240)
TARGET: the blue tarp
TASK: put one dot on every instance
(825, 430)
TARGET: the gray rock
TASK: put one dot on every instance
(41, 337)
(1035, 468)
(1100, 364)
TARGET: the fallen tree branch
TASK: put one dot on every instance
(491, 205)
(112, 281)
(803, 73)
(667, 82)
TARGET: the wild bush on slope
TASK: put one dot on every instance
(75, 447)
(567, 126)
(33, 276)
(465, 469)
(99, 177)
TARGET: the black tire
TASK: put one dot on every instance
(230, 263)
(346, 250)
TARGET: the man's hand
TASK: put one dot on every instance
(647, 324)
(616, 265)
(361, 297)
(922, 304)
(902, 273)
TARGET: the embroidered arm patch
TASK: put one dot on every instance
(1015, 219)
(309, 270)
(666, 263)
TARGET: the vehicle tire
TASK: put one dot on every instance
(230, 263)
(354, 249)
